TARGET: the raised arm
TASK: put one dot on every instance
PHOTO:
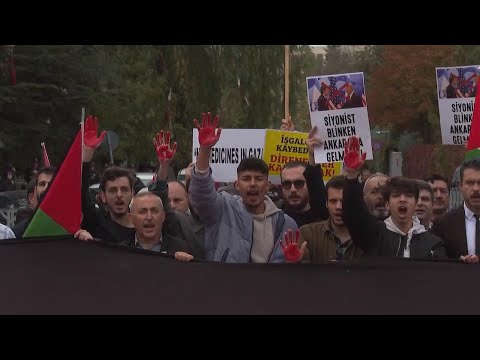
(314, 178)
(165, 154)
(205, 200)
(91, 143)
(361, 225)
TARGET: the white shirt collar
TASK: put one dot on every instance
(468, 213)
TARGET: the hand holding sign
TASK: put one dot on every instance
(291, 251)
(208, 134)
(165, 153)
(287, 125)
(313, 141)
(353, 158)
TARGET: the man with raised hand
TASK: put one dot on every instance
(116, 192)
(401, 235)
(239, 229)
(303, 189)
(177, 223)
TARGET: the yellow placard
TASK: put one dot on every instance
(282, 147)
(331, 169)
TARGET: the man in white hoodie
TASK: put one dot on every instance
(401, 235)
(238, 229)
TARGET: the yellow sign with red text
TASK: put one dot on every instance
(282, 147)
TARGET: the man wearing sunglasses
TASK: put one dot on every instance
(302, 186)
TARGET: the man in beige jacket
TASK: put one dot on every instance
(329, 240)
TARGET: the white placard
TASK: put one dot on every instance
(234, 145)
(456, 97)
(338, 107)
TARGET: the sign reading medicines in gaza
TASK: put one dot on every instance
(234, 146)
(338, 107)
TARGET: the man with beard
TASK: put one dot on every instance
(401, 235)
(238, 229)
(459, 228)
(441, 195)
(329, 240)
(423, 211)
(42, 181)
(116, 192)
(372, 195)
(303, 188)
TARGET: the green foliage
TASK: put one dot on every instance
(137, 90)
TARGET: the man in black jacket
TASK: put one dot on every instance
(303, 187)
(148, 216)
(401, 235)
(116, 191)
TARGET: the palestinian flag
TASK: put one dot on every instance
(60, 212)
(473, 147)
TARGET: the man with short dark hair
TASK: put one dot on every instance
(116, 192)
(441, 195)
(458, 228)
(240, 229)
(42, 182)
(424, 209)
(303, 188)
(401, 235)
(329, 240)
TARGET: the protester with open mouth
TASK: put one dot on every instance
(238, 229)
(401, 235)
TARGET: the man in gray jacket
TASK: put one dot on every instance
(239, 229)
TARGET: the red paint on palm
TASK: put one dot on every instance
(290, 248)
(162, 147)
(208, 134)
(353, 157)
(90, 133)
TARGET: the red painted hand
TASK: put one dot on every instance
(353, 158)
(162, 148)
(291, 251)
(90, 133)
(208, 134)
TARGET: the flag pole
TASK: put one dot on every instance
(46, 161)
(287, 82)
(82, 127)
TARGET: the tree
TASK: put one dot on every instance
(44, 105)
(402, 90)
